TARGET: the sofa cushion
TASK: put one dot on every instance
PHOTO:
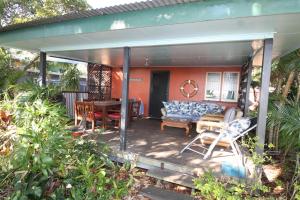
(184, 107)
(229, 115)
(199, 109)
(213, 108)
(171, 107)
(191, 110)
(238, 126)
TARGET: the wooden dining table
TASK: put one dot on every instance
(103, 107)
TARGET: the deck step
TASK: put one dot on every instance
(149, 163)
(172, 177)
(161, 194)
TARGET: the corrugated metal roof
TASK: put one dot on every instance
(146, 4)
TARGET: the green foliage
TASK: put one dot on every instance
(288, 62)
(40, 146)
(297, 191)
(4, 67)
(211, 188)
(31, 91)
(287, 118)
(282, 68)
(47, 163)
(8, 76)
(251, 143)
(293, 189)
(70, 79)
(17, 11)
(58, 66)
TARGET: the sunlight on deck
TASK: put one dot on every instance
(145, 138)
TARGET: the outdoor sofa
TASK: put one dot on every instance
(182, 114)
(189, 110)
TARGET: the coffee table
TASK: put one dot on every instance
(178, 124)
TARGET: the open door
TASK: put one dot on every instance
(159, 91)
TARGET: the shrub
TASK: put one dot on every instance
(211, 187)
(47, 163)
(287, 118)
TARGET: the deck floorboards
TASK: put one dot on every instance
(145, 138)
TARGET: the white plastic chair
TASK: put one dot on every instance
(227, 134)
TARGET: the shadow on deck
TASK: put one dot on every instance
(150, 146)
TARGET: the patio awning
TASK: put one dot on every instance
(193, 33)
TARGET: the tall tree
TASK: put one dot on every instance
(284, 72)
(285, 77)
(17, 11)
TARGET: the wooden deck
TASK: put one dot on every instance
(150, 146)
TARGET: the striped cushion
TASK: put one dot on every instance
(98, 114)
(114, 116)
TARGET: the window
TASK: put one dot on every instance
(230, 86)
(222, 89)
(213, 86)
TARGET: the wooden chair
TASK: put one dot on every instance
(116, 114)
(79, 111)
(86, 110)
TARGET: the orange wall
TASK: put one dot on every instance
(139, 85)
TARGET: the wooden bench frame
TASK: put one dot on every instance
(177, 124)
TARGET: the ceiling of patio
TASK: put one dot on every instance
(204, 54)
(190, 44)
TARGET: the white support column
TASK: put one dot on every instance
(124, 106)
(264, 94)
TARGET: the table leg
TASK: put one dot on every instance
(104, 115)
(187, 130)
(162, 126)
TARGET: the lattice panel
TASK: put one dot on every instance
(99, 82)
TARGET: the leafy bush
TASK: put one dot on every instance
(211, 187)
(287, 118)
(47, 163)
(71, 78)
(9, 75)
(31, 91)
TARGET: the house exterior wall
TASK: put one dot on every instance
(140, 78)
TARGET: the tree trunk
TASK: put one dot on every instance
(279, 86)
(298, 91)
(288, 84)
(285, 93)
(271, 134)
(31, 63)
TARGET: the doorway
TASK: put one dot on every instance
(159, 91)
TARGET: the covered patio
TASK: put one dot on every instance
(141, 38)
(147, 143)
